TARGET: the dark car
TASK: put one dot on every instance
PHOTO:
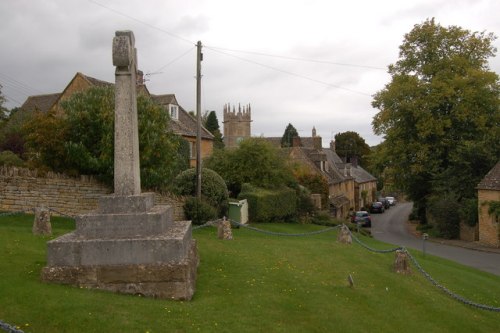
(385, 202)
(377, 207)
(363, 218)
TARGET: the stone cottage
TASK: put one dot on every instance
(488, 191)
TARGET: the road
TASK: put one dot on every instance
(390, 227)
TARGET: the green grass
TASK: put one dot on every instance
(254, 283)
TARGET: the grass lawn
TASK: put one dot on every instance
(254, 283)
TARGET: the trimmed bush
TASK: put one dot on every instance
(213, 188)
(10, 159)
(265, 205)
(199, 212)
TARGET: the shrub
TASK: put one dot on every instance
(10, 159)
(213, 188)
(445, 213)
(468, 211)
(265, 205)
(199, 212)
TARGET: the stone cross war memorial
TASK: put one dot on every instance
(128, 245)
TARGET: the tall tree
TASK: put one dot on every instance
(440, 112)
(287, 138)
(212, 124)
(350, 145)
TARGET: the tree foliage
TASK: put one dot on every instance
(83, 140)
(3, 110)
(287, 138)
(255, 161)
(212, 125)
(349, 145)
(439, 114)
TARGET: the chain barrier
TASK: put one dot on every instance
(429, 277)
(457, 297)
(9, 328)
(446, 290)
(207, 224)
(12, 213)
(371, 248)
(274, 233)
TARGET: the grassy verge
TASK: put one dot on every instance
(255, 283)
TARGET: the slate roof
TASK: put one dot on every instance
(41, 103)
(96, 82)
(305, 142)
(492, 179)
(186, 124)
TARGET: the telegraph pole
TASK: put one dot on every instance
(199, 59)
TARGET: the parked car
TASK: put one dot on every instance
(364, 218)
(385, 202)
(392, 200)
(377, 207)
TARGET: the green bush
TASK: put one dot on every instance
(10, 159)
(199, 212)
(265, 205)
(468, 211)
(324, 218)
(445, 214)
(305, 205)
(213, 188)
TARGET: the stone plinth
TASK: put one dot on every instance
(127, 246)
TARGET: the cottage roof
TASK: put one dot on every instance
(186, 124)
(41, 103)
(492, 179)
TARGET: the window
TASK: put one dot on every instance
(192, 149)
(173, 111)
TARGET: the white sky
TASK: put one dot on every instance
(348, 45)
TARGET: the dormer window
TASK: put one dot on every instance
(173, 111)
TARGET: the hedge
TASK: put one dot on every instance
(265, 205)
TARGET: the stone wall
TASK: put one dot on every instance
(23, 190)
(468, 233)
(489, 227)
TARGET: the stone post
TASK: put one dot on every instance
(224, 230)
(344, 235)
(401, 262)
(127, 172)
(41, 224)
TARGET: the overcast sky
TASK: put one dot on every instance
(308, 62)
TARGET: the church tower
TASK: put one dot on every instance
(236, 125)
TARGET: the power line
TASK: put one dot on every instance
(296, 58)
(142, 22)
(289, 73)
(158, 71)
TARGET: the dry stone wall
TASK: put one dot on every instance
(24, 189)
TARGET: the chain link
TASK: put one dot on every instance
(430, 278)
(457, 297)
(9, 328)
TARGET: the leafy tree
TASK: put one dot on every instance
(440, 112)
(11, 135)
(255, 161)
(287, 138)
(350, 145)
(83, 140)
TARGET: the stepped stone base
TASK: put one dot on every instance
(127, 246)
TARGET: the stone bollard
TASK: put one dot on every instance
(224, 230)
(41, 224)
(402, 263)
(344, 235)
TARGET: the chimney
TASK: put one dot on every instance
(140, 78)
(317, 143)
(332, 145)
(354, 161)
